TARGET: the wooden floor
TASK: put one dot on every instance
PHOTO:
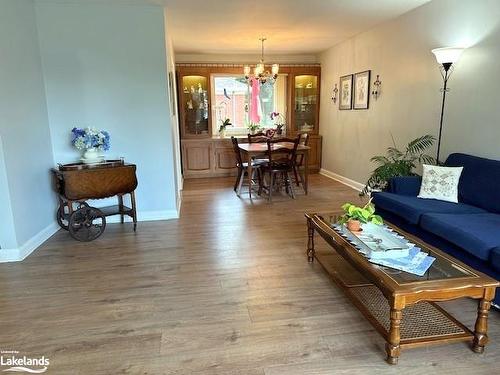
(224, 290)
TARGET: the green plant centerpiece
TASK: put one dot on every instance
(222, 128)
(354, 216)
(253, 127)
(398, 163)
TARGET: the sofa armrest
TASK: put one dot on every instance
(409, 185)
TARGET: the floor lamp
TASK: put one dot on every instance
(446, 57)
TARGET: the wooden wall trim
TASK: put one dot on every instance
(227, 65)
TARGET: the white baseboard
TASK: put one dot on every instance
(179, 204)
(344, 180)
(20, 253)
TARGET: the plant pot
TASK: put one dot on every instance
(92, 155)
(354, 225)
(222, 133)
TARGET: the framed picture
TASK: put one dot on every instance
(361, 90)
(345, 101)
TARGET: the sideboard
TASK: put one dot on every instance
(214, 157)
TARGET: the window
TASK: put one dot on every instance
(231, 97)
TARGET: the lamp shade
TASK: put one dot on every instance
(448, 55)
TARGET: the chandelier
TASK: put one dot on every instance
(259, 72)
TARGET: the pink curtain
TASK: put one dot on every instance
(254, 102)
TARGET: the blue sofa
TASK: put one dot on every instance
(468, 230)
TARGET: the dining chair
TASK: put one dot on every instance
(281, 163)
(243, 169)
(299, 162)
(259, 137)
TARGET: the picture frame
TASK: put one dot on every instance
(345, 93)
(361, 90)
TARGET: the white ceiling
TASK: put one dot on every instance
(291, 26)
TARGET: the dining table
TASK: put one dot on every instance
(250, 151)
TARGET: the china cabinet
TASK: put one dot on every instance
(194, 102)
(305, 104)
(205, 153)
(304, 93)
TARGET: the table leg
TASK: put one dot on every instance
(250, 173)
(481, 327)
(392, 346)
(306, 171)
(120, 204)
(310, 240)
(134, 210)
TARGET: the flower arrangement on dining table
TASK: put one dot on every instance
(279, 121)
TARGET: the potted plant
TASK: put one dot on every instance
(92, 142)
(253, 127)
(354, 216)
(222, 128)
(399, 163)
(279, 122)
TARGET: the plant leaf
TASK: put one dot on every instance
(420, 144)
(377, 219)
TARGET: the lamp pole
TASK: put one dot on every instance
(446, 68)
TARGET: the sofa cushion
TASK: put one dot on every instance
(480, 181)
(412, 208)
(477, 234)
(495, 258)
(407, 185)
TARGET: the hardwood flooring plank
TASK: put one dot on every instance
(224, 290)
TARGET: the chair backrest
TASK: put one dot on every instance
(270, 133)
(273, 150)
(237, 151)
(303, 140)
(257, 138)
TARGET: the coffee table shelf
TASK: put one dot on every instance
(422, 322)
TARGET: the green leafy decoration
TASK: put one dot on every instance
(398, 163)
(365, 214)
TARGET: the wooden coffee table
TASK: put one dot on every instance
(401, 306)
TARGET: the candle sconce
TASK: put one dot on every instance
(335, 92)
(376, 88)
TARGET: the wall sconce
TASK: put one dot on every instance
(335, 92)
(376, 88)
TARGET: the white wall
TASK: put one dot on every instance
(410, 102)
(24, 131)
(7, 229)
(174, 115)
(105, 66)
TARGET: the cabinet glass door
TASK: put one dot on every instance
(306, 103)
(196, 104)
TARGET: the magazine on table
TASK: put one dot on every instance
(382, 246)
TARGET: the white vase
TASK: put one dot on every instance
(92, 155)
